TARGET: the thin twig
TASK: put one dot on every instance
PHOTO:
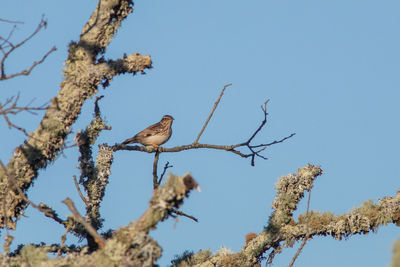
(178, 212)
(264, 109)
(3, 76)
(63, 239)
(11, 107)
(89, 228)
(34, 64)
(212, 112)
(163, 173)
(6, 40)
(79, 190)
(11, 21)
(275, 142)
(305, 237)
(308, 202)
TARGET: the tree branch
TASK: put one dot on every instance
(11, 21)
(3, 76)
(82, 75)
(98, 238)
(11, 107)
(93, 178)
(178, 212)
(133, 240)
(229, 148)
(211, 114)
(254, 149)
(79, 190)
(163, 173)
(282, 228)
(305, 238)
(155, 177)
(43, 208)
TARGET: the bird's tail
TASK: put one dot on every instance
(131, 140)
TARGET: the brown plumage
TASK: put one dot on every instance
(154, 135)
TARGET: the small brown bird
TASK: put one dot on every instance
(154, 135)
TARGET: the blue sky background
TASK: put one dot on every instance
(330, 68)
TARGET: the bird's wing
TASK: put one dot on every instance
(149, 131)
(153, 129)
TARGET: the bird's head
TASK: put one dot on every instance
(167, 119)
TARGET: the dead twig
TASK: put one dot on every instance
(29, 70)
(167, 166)
(11, 47)
(11, 21)
(79, 190)
(212, 112)
(89, 228)
(11, 107)
(263, 146)
(156, 180)
(63, 239)
(178, 212)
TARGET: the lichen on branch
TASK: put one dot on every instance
(82, 77)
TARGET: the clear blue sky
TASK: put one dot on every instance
(330, 68)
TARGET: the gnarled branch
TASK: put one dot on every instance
(83, 75)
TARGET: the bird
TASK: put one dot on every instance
(154, 135)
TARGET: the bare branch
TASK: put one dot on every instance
(264, 109)
(212, 112)
(11, 21)
(178, 212)
(12, 47)
(89, 228)
(79, 190)
(275, 142)
(165, 169)
(11, 107)
(229, 148)
(28, 71)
